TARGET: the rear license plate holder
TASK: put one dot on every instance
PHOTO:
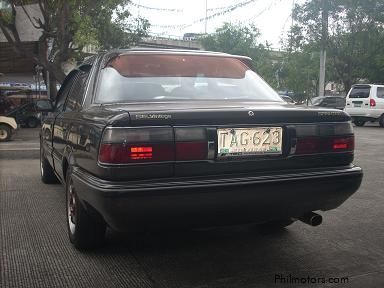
(248, 142)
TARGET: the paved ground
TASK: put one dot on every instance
(23, 144)
(35, 251)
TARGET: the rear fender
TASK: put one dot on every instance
(9, 121)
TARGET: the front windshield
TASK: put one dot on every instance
(316, 100)
(180, 77)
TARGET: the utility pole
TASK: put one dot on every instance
(323, 52)
(206, 16)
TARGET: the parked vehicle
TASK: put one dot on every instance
(365, 102)
(29, 115)
(335, 102)
(7, 127)
(287, 99)
(148, 139)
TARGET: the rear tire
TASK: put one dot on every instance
(5, 133)
(85, 231)
(46, 171)
(32, 122)
(381, 121)
(359, 123)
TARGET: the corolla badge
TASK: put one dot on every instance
(251, 113)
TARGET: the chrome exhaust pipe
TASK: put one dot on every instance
(311, 218)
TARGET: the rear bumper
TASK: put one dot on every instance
(215, 201)
(364, 113)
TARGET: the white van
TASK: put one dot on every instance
(365, 102)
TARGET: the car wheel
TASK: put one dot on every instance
(5, 133)
(275, 225)
(381, 121)
(359, 123)
(46, 171)
(85, 231)
(32, 122)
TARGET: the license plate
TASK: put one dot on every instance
(357, 105)
(249, 141)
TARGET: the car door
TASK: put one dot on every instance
(47, 127)
(59, 129)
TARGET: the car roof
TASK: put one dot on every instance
(370, 85)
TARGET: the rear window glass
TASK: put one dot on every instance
(360, 92)
(150, 78)
(380, 92)
(178, 66)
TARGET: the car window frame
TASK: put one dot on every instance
(69, 80)
(377, 92)
(78, 73)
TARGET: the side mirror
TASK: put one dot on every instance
(44, 106)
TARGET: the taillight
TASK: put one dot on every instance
(316, 145)
(191, 143)
(155, 144)
(343, 144)
(131, 153)
(191, 151)
(137, 145)
(372, 102)
(324, 138)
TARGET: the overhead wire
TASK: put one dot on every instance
(140, 6)
(228, 9)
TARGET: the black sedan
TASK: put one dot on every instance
(336, 102)
(154, 139)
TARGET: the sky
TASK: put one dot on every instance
(271, 17)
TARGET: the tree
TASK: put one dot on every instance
(243, 40)
(356, 34)
(67, 26)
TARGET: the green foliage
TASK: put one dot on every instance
(299, 70)
(67, 26)
(354, 45)
(6, 13)
(233, 39)
(106, 24)
(243, 40)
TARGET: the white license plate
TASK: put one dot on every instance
(249, 141)
(357, 105)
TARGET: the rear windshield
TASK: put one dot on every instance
(151, 77)
(360, 91)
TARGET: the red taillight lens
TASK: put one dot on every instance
(140, 153)
(186, 151)
(372, 102)
(343, 144)
(316, 145)
(120, 153)
(152, 144)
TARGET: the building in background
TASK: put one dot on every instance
(20, 78)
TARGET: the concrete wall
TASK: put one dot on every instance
(26, 31)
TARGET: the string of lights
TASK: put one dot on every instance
(210, 17)
(267, 8)
(223, 7)
(139, 6)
